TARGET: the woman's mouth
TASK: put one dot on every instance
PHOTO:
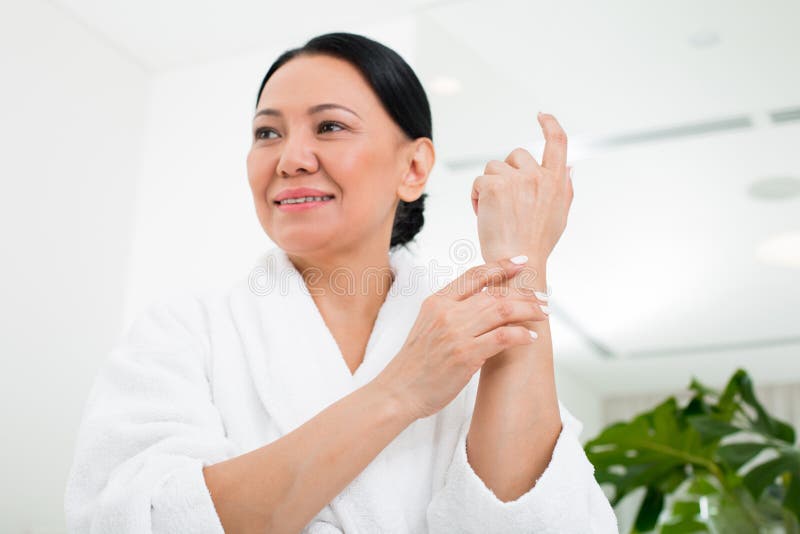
(302, 203)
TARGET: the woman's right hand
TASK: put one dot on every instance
(458, 328)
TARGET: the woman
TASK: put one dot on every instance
(290, 404)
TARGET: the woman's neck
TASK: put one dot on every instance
(357, 280)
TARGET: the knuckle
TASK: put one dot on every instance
(501, 336)
(519, 154)
(491, 187)
(493, 273)
(491, 166)
(484, 273)
(558, 136)
(504, 310)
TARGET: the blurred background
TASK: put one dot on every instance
(124, 132)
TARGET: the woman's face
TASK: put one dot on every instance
(319, 125)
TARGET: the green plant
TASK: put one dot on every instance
(720, 463)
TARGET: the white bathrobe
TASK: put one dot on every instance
(200, 379)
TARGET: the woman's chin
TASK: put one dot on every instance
(299, 242)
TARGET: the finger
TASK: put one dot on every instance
(479, 186)
(570, 189)
(475, 194)
(493, 342)
(503, 311)
(497, 167)
(478, 277)
(521, 159)
(555, 144)
(493, 292)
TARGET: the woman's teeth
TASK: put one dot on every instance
(303, 199)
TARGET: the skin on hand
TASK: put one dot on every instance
(458, 328)
(521, 205)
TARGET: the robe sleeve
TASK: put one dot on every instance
(566, 498)
(149, 426)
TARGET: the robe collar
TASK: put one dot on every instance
(295, 362)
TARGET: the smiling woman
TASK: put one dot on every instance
(363, 116)
(326, 409)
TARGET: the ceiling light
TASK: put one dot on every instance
(775, 188)
(445, 85)
(783, 250)
(704, 39)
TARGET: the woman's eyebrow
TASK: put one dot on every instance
(311, 110)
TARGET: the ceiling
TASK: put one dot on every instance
(672, 110)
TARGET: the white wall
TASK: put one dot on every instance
(73, 113)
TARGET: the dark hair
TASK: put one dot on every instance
(398, 89)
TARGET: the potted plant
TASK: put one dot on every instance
(720, 463)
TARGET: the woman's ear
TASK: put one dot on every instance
(420, 162)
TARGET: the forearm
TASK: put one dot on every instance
(280, 487)
(516, 421)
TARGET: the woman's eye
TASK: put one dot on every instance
(330, 123)
(262, 133)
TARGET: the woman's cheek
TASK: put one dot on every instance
(259, 167)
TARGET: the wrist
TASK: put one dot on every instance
(531, 278)
(390, 400)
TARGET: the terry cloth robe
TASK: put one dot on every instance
(201, 378)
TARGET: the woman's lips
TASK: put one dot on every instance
(302, 206)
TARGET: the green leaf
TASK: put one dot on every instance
(726, 400)
(711, 428)
(791, 501)
(765, 424)
(686, 509)
(759, 477)
(660, 449)
(702, 390)
(675, 478)
(651, 507)
(696, 406)
(684, 527)
(649, 451)
(701, 486)
(738, 454)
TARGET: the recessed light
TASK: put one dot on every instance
(775, 188)
(445, 85)
(783, 250)
(704, 39)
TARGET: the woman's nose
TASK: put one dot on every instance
(297, 156)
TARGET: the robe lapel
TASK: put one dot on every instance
(296, 364)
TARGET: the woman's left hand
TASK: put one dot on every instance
(522, 206)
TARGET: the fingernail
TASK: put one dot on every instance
(541, 296)
(545, 309)
(534, 335)
(519, 260)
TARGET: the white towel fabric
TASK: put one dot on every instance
(204, 378)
